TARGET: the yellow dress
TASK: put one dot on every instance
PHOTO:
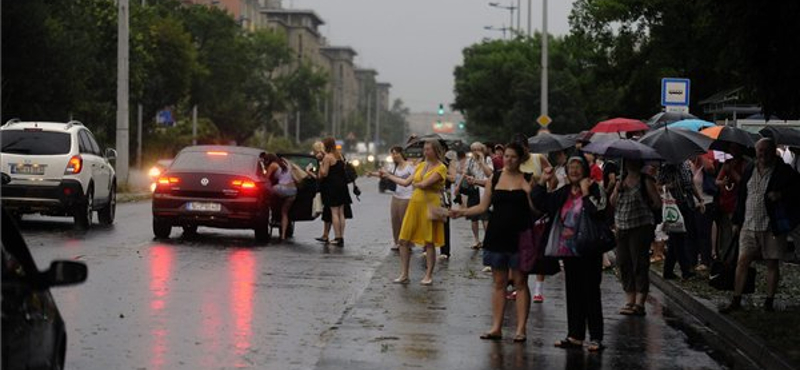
(417, 227)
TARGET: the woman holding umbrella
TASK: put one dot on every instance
(635, 200)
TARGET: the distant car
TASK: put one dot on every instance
(57, 169)
(223, 187)
(34, 335)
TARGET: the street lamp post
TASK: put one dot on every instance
(502, 29)
(511, 9)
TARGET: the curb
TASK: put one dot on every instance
(132, 197)
(729, 331)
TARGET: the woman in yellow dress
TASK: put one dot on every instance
(423, 223)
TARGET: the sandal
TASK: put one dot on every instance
(322, 240)
(628, 309)
(567, 343)
(490, 336)
(519, 338)
(596, 346)
(638, 310)
(477, 245)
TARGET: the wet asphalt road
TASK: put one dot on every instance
(220, 301)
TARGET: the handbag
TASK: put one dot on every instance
(722, 272)
(316, 205)
(531, 248)
(553, 247)
(671, 214)
(593, 236)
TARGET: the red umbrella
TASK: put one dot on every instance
(620, 124)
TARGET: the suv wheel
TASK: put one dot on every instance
(106, 214)
(161, 228)
(83, 215)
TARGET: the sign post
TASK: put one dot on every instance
(675, 94)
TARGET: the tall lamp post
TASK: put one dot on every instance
(511, 9)
(503, 29)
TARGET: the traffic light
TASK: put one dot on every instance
(441, 109)
(439, 123)
(461, 125)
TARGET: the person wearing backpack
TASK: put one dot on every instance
(635, 199)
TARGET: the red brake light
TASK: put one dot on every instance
(243, 184)
(168, 180)
(74, 165)
(217, 153)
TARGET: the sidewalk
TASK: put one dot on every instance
(769, 339)
(395, 326)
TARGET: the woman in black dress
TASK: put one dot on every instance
(509, 196)
(335, 193)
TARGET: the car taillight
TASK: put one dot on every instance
(168, 180)
(74, 166)
(243, 184)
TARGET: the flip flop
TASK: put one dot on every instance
(520, 339)
(490, 336)
(595, 346)
(566, 343)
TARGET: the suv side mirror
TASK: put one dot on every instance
(6, 178)
(111, 154)
(63, 273)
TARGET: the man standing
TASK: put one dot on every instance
(765, 213)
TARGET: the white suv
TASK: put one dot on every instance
(57, 169)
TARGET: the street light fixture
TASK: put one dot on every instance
(502, 29)
(511, 8)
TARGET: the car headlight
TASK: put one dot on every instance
(356, 162)
(371, 158)
(154, 172)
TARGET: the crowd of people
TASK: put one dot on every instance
(745, 204)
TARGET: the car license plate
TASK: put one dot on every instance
(28, 169)
(203, 207)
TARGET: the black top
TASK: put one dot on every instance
(334, 188)
(510, 215)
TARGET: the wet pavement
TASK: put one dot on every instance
(219, 301)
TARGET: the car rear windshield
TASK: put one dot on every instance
(215, 162)
(35, 142)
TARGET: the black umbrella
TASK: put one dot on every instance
(546, 142)
(676, 146)
(623, 148)
(660, 120)
(726, 135)
(782, 135)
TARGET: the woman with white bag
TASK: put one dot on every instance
(680, 199)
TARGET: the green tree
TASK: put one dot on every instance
(498, 88)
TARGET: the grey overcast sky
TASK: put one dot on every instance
(416, 44)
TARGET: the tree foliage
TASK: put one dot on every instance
(612, 61)
(60, 62)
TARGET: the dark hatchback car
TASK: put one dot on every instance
(219, 186)
(34, 335)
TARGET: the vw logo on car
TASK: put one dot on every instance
(204, 181)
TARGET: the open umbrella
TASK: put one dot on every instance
(661, 119)
(676, 146)
(413, 148)
(691, 124)
(623, 148)
(546, 142)
(620, 124)
(726, 135)
(782, 135)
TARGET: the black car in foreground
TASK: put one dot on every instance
(34, 336)
(222, 187)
